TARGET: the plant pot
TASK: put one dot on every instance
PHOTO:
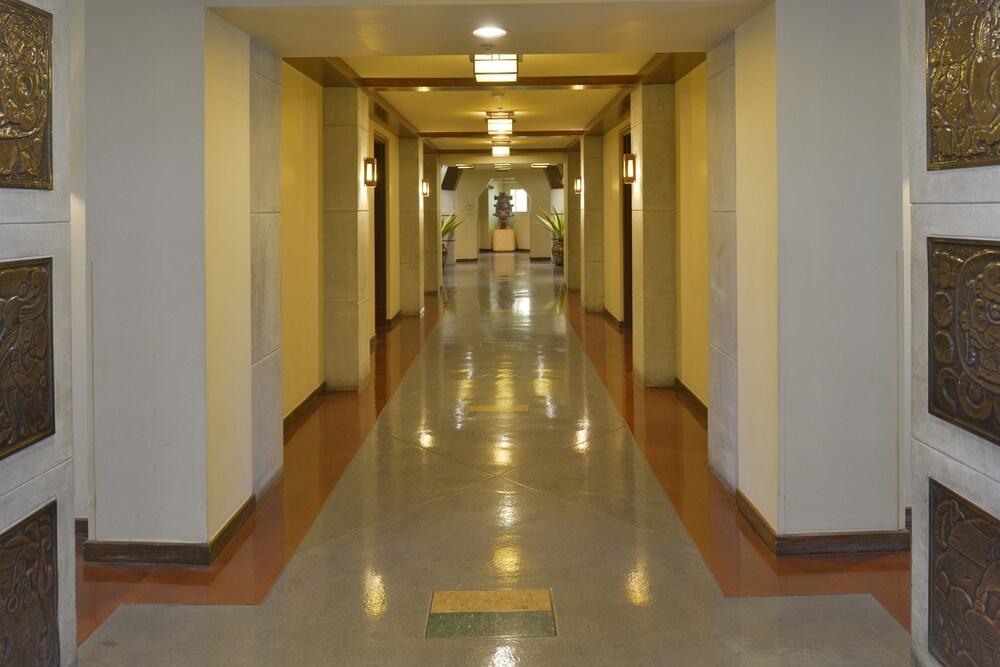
(444, 254)
(557, 253)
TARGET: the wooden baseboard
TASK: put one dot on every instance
(301, 408)
(614, 320)
(909, 518)
(81, 528)
(475, 259)
(691, 398)
(171, 553)
(818, 544)
(541, 259)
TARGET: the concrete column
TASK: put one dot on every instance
(723, 443)
(265, 267)
(592, 224)
(654, 237)
(411, 227)
(346, 292)
(571, 255)
(432, 223)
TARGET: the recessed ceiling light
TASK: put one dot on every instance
(489, 32)
(501, 167)
(465, 165)
(539, 165)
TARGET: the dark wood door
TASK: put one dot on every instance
(626, 242)
(381, 238)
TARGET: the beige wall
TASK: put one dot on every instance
(614, 300)
(301, 173)
(692, 231)
(757, 269)
(227, 269)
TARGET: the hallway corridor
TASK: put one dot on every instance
(501, 462)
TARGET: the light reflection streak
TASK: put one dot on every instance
(637, 587)
(374, 598)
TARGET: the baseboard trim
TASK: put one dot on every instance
(171, 553)
(229, 530)
(614, 320)
(909, 518)
(822, 544)
(690, 397)
(476, 259)
(81, 528)
(541, 259)
(301, 408)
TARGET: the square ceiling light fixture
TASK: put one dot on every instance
(501, 149)
(500, 122)
(495, 67)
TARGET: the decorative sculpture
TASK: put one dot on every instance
(29, 591)
(25, 96)
(964, 587)
(504, 209)
(964, 334)
(27, 398)
(963, 83)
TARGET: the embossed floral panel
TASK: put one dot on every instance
(27, 399)
(963, 83)
(25, 96)
(964, 338)
(29, 583)
(964, 569)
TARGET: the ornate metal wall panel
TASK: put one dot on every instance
(25, 96)
(27, 397)
(963, 83)
(964, 340)
(964, 567)
(29, 595)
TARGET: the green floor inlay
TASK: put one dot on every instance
(492, 624)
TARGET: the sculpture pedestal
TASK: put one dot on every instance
(504, 240)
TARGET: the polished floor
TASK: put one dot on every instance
(500, 461)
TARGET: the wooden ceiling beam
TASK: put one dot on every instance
(464, 84)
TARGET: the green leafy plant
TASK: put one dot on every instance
(449, 224)
(555, 222)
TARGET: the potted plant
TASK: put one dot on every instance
(449, 224)
(555, 222)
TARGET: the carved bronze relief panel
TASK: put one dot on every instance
(964, 341)
(964, 569)
(25, 96)
(29, 591)
(27, 396)
(963, 83)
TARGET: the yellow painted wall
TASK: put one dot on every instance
(301, 235)
(692, 231)
(614, 300)
(757, 269)
(227, 269)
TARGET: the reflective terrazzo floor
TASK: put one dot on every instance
(501, 462)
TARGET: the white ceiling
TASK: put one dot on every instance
(417, 42)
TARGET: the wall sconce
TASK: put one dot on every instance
(425, 188)
(371, 172)
(628, 168)
(577, 185)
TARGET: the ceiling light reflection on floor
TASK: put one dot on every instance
(374, 599)
(503, 657)
(507, 558)
(637, 585)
